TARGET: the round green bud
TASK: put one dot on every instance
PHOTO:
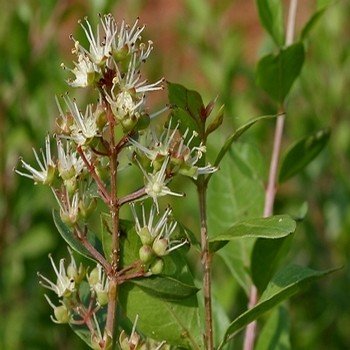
(145, 236)
(160, 246)
(68, 219)
(146, 253)
(102, 297)
(143, 122)
(157, 266)
(93, 277)
(71, 185)
(128, 123)
(61, 314)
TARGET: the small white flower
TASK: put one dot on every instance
(85, 72)
(84, 127)
(155, 185)
(99, 283)
(61, 312)
(69, 163)
(46, 173)
(65, 285)
(69, 208)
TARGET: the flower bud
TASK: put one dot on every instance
(61, 314)
(69, 218)
(145, 253)
(157, 266)
(160, 246)
(86, 208)
(145, 236)
(76, 274)
(102, 297)
(71, 185)
(93, 277)
(143, 122)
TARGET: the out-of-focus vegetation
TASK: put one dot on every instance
(212, 46)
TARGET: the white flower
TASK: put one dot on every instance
(99, 283)
(69, 163)
(85, 72)
(69, 208)
(155, 185)
(46, 173)
(65, 284)
(101, 45)
(84, 128)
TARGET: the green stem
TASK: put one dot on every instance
(206, 263)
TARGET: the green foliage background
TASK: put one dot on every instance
(212, 46)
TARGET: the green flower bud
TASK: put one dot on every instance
(157, 266)
(87, 208)
(70, 219)
(128, 123)
(160, 246)
(143, 122)
(71, 185)
(145, 253)
(102, 297)
(61, 314)
(145, 236)
(51, 170)
(93, 277)
(77, 274)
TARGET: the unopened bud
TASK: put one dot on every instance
(102, 297)
(145, 236)
(145, 253)
(61, 314)
(93, 277)
(160, 246)
(157, 266)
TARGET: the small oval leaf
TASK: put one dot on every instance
(273, 227)
(276, 73)
(302, 153)
(165, 287)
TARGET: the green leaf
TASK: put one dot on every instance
(165, 287)
(289, 281)
(236, 135)
(175, 322)
(72, 240)
(310, 24)
(271, 17)
(266, 259)
(273, 227)
(236, 256)
(232, 194)
(275, 333)
(188, 108)
(276, 73)
(302, 153)
(188, 100)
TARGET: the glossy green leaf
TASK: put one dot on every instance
(236, 135)
(266, 259)
(275, 333)
(271, 17)
(175, 322)
(72, 240)
(273, 227)
(188, 100)
(188, 108)
(302, 153)
(289, 281)
(276, 73)
(165, 287)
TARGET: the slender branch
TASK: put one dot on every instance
(206, 264)
(101, 187)
(92, 250)
(270, 192)
(132, 196)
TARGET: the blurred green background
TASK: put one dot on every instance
(211, 46)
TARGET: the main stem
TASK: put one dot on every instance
(114, 211)
(206, 264)
(270, 192)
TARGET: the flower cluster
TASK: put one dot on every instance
(155, 237)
